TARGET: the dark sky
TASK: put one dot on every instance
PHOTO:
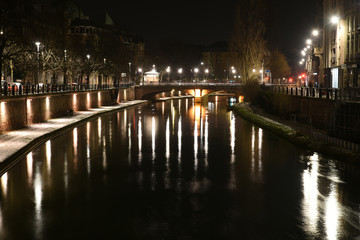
(204, 22)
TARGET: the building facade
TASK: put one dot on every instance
(341, 53)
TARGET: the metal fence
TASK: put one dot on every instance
(343, 94)
(16, 89)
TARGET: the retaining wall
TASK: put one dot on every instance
(17, 112)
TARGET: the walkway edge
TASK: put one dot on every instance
(13, 159)
(294, 136)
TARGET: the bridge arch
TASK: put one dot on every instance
(149, 91)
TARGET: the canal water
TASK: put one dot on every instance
(177, 170)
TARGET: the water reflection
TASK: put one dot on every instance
(232, 136)
(88, 160)
(38, 197)
(206, 141)
(140, 139)
(4, 184)
(153, 135)
(174, 170)
(310, 189)
(75, 148)
(48, 155)
(179, 134)
(321, 206)
(29, 165)
(256, 154)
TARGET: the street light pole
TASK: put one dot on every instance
(38, 62)
(262, 71)
(65, 80)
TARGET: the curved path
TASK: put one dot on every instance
(14, 144)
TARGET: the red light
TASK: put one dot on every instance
(290, 80)
(303, 75)
(267, 78)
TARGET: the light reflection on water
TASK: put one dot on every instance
(182, 165)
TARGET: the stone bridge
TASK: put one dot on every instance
(149, 91)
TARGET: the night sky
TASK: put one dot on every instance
(205, 22)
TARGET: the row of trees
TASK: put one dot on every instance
(52, 52)
(249, 43)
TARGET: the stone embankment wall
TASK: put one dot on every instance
(17, 112)
(336, 118)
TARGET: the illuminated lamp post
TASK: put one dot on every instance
(88, 70)
(140, 71)
(180, 70)
(38, 61)
(168, 72)
(196, 70)
(206, 73)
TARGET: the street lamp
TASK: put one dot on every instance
(168, 72)
(315, 32)
(65, 80)
(196, 70)
(334, 19)
(38, 61)
(140, 71)
(180, 70)
(206, 73)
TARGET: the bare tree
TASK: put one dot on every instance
(248, 38)
(279, 65)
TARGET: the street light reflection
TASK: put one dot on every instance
(75, 146)
(179, 141)
(332, 214)
(317, 205)
(153, 135)
(88, 148)
(4, 183)
(232, 136)
(167, 150)
(140, 139)
(48, 156)
(310, 188)
(206, 142)
(256, 160)
(29, 167)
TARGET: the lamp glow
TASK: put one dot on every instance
(315, 32)
(334, 19)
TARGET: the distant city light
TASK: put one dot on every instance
(308, 41)
(315, 32)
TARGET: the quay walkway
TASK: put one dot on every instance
(15, 144)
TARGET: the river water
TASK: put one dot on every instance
(177, 170)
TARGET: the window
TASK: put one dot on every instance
(335, 78)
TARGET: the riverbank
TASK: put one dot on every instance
(16, 144)
(295, 134)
